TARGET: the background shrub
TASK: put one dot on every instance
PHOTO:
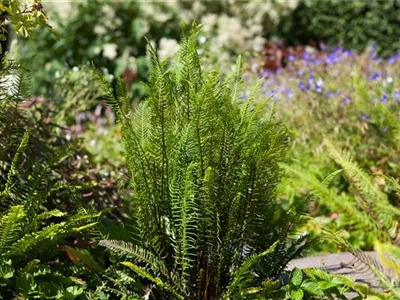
(352, 24)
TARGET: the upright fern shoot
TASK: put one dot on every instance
(204, 170)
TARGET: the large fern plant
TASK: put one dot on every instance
(204, 172)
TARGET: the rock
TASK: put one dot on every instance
(343, 263)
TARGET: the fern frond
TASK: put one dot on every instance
(15, 165)
(235, 82)
(139, 254)
(333, 201)
(356, 176)
(185, 220)
(242, 276)
(145, 274)
(10, 226)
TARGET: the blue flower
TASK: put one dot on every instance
(384, 98)
(329, 94)
(364, 117)
(265, 73)
(373, 53)
(345, 101)
(374, 76)
(392, 60)
(301, 86)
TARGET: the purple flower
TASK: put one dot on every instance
(364, 117)
(265, 73)
(384, 98)
(311, 80)
(301, 86)
(318, 89)
(330, 59)
(246, 77)
(392, 60)
(396, 95)
(349, 53)
(329, 94)
(374, 76)
(306, 56)
(345, 101)
(272, 94)
(291, 57)
(373, 54)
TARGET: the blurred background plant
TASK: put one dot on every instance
(351, 24)
(351, 98)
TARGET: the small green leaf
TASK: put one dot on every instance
(312, 288)
(296, 277)
(327, 285)
(318, 273)
(25, 283)
(296, 294)
(75, 290)
(6, 269)
(271, 285)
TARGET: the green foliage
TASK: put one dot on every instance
(353, 107)
(33, 191)
(364, 207)
(352, 24)
(318, 284)
(106, 33)
(204, 171)
(312, 283)
(24, 18)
